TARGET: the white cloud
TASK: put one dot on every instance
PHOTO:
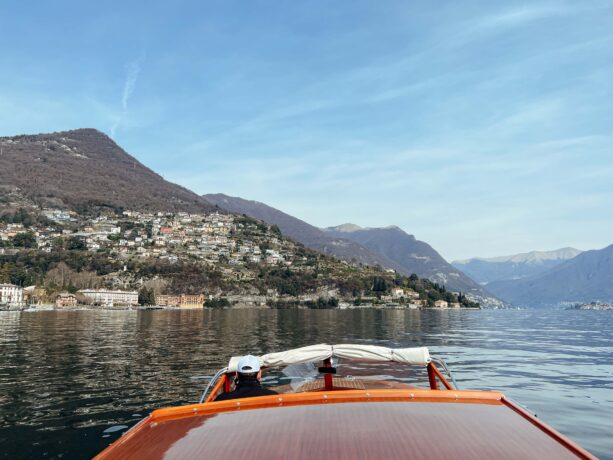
(132, 72)
(519, 16)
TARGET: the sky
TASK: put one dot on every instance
(483, 128)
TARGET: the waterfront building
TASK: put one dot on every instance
(11, 295)
(183, 300)
(441, 304)
(108, 298)
(65, 299)
(33, 295)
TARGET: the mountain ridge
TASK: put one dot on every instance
(331, 240)
(555, 254)
(49, 169)
(582, 279)
(516, 266)
(414, 256)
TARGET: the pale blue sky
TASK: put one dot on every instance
(484, 128)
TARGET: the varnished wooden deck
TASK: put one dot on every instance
(337, 383)
(347, 425)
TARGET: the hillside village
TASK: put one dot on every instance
(119, 258)
(145, 235)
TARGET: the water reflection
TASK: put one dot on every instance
(66, 377)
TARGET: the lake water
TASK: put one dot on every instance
(72, 382)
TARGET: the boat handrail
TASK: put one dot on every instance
(443, 365)
(212, 383)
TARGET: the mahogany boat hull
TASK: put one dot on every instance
(347, 424)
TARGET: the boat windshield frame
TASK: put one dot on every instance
(222, 380)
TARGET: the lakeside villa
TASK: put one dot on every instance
(108, 298)
(182, 301)
(11, 295)
(65, 299)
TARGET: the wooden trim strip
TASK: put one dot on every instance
(216, 388)
(442, 377)
(323, 397)
(432, 377)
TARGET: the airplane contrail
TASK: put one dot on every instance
(132, 71)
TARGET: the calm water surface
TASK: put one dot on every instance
(72, 382)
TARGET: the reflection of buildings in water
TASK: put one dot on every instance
(206, 338)
(265, 331)
(412, 323)
(393, 324)
(9, 327)
(246, 331)
(442, 320)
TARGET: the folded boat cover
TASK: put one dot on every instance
(415, 356)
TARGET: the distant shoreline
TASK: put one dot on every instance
(593, 306)
(42, 308)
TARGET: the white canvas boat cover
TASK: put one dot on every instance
(416, 356)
